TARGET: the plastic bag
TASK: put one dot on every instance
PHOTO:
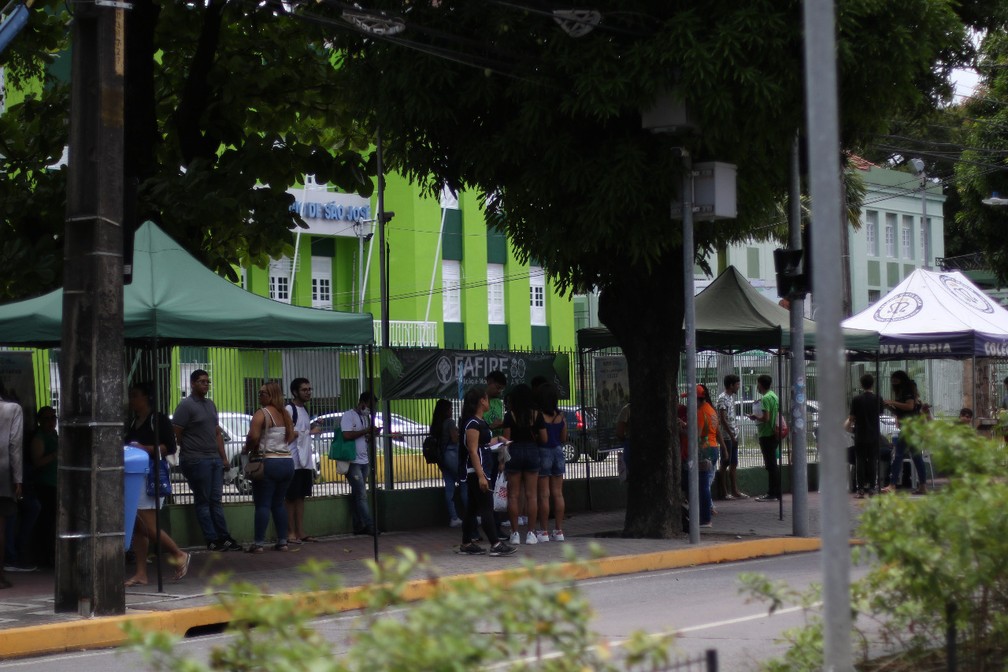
(500, 494)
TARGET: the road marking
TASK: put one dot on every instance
(740, 619)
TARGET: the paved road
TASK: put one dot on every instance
(702, 603)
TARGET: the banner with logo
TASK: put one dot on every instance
(423, 373)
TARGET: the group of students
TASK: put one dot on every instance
(525, 442)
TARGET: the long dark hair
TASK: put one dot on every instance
(442, 411)
(522, 405)
(901, 383)
(548, 398)
(471, 402)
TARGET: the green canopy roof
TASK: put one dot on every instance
(731, 315)
(175, 299)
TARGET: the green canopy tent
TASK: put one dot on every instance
(174, 299)
(732, 316)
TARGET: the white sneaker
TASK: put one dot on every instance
(558, 535)
(455, 522)
(522, 521)
(515, 539)
(542, 537)
(530, 538)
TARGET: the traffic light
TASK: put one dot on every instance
(791, 277)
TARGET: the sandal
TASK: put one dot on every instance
(309, 539)
(254, 548)
(280, 547)
(183, 569)
(294, 540)
(135, 582)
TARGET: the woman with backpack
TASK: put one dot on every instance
(445, 435)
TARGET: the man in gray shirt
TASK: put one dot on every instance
(203, 460)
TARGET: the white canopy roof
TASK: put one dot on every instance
(936, 314)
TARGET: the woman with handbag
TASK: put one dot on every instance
(140, 433)
(271, 466)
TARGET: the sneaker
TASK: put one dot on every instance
(764, 498)
(542, 536)
(20, 568)
(455, 522)
(531, 538)
(706, 524)
(230, 545)
(515, 539)
(502, 548)
(522, 521)
(471, 548)
(215, 546)
(558, 535)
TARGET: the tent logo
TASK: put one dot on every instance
(966, 294)
(900, 307)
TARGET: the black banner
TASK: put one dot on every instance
(422, 373)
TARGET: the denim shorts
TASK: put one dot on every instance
(524, 458)
(551, 461)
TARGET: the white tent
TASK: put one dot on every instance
(936, 314)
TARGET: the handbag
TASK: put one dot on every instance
(341, 449)
(781, 429)
(500, 494)
(254, 469)
(163, 478)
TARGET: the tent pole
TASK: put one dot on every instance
(780, 443)
(371, 455)
(581, 405)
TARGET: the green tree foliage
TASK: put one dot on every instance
(984, 166)
(539, 620)
(227, 105)
(497, 98)
(935, 560)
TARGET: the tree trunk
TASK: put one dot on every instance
(644, 311)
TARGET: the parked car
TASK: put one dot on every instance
(406, 434)
(583, 435)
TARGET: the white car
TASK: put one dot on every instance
(406, 434)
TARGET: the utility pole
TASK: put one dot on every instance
(89, 566)
(799, 456)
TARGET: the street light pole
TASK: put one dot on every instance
(918, 166)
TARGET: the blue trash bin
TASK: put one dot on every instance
(135, 465)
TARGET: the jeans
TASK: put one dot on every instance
(360, 514)
(712, 454)
(449, 472)
(19, 530)
(768, 446)
(206, 480)
(896, 475)
(704, 493)
(268, 496)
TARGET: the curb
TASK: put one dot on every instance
(107, 631)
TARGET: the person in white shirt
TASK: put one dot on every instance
(357, 426)
(304, 460)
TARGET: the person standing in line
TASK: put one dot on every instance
(270, 435)
(725, 406)
(905, 404)
(140, 434)
(864, 423)
(768, 442)
(445, 431)
(11, 467)
(202, 460)
(357, 426)
(551, 465)
(300, 487)
(525, 428)
(477, 462)
(709, 449)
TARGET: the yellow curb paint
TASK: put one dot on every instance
(107, 631)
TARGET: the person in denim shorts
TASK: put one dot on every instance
(525, 428)
(551, 464)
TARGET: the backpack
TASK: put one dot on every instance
(432, 451)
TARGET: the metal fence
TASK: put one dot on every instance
(339, 374)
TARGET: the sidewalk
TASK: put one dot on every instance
(742, 529)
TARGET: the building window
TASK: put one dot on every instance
(279, 280)
(495, 293)
(874, 295)
(908, 237)
(871, 232)
(890, 235)
(451, 290)
(321, 283)
(537, 295)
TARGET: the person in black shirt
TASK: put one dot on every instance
(864, 419)
(905, 404)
